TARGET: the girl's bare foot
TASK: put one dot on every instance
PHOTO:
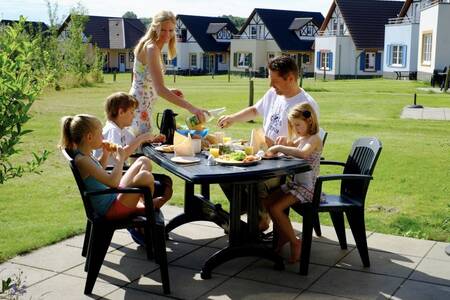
(296, 249)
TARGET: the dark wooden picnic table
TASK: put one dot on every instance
(243, 238)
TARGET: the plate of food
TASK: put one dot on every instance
(238, 158)
(185, 159)
(165, 148)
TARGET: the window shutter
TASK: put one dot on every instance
(389, 55)
(250, 63)
(235, 59)
(318, 59)
(362, 61)
(378, 61)
(404, 48)
(330, 60)
(174, 62)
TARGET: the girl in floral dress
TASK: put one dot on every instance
(304, 142)
(148, 81)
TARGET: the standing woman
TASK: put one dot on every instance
(148, 69)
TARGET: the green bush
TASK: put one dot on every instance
(23, 75)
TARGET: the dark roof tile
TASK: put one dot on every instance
(365, 20)
(198, 27)
(278, 23)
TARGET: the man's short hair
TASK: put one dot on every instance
(116, 101)
(283, 65)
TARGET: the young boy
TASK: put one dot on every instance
(119, 109)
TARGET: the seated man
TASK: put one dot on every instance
(273, 107)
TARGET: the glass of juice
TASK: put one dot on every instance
(214, 150)
(226, 139)
(248, 150)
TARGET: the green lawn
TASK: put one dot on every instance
(409, 196)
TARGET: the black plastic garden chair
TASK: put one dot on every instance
(99, 230)
(355, 181)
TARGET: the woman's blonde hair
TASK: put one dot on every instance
(75, 128)
(305, 112)
(152, 34)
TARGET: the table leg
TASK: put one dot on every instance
(242, 239)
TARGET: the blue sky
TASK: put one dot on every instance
(36, 10)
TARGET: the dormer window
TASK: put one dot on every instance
(253, 31)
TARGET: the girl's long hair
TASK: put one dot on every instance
(75, 128)
(303, 111)
(152, 34)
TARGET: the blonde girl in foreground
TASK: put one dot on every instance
(303, 142)
(81, 134)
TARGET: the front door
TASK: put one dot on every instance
(122, 58)
(370, 61)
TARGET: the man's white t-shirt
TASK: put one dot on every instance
(275, 108)
(112, 133)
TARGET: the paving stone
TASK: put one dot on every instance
(433, 271)
(129, 293)
(438, 252)
(318, 296)
(196, 234)
(399, 244)
(382, 263)
(263, 271)
(329, 235)
(356, 285)
(171, 211)
(237, 288)
(196, 259)
(118, 270)
(414, 290)
(174, 250)
(28, 275)
(184, 283)
(66, 287)
(57, 258)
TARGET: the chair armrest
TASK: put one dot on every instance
(118, 190)
(323, 178)
(148, 198)
(332, 162)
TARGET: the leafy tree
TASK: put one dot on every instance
(130, 15)
(146, 21)
(237, 21)
(22, 78)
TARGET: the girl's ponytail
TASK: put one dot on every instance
(66, 135)
(75, 128)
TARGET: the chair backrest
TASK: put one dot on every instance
(89, 210)
(361, 160)
(323, 135)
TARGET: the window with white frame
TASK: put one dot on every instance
(397, 56)
(324, 60)
(221, 58)
(193, 59)
(244, 59)
(427, 40)
(253, 31)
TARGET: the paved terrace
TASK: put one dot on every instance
(402, 268)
